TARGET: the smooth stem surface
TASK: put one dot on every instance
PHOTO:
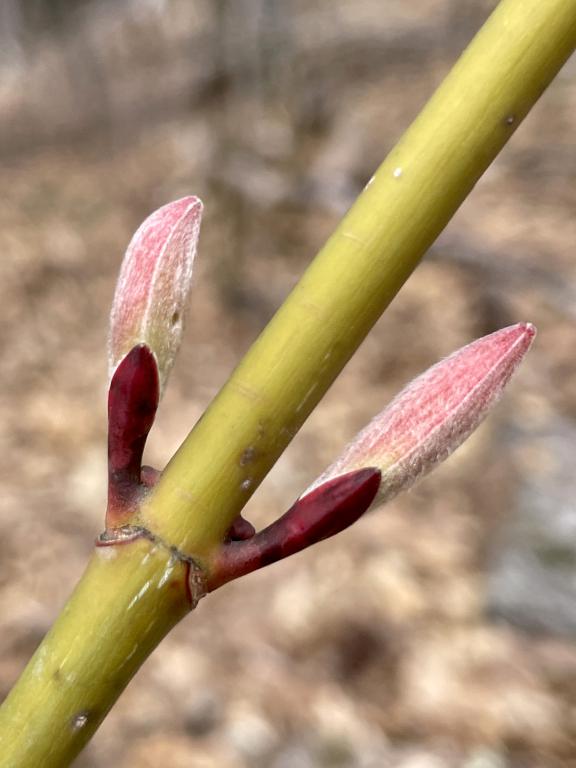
(401, 212)
(129, 597)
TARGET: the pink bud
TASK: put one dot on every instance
(434, 414)
(154, 283)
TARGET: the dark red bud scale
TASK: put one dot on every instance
(323, 512)
(149, 476)
(132, 403)
(240, 530)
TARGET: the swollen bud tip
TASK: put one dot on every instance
(434, 414)
(153, 285)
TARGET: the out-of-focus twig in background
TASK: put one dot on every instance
(438, 633)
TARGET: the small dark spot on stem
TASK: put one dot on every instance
(57, 675)
(175, 318)
(248, 456)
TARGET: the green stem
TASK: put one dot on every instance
(129, 597)
(125, 602)
(360, 269)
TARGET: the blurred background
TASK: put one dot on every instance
(439, 632)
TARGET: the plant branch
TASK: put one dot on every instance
(129, 597)
(404, 207)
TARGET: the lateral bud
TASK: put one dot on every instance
(322, 513)
(153, 285)
(132, 403)
(435, 413)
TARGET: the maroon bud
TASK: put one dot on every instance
(323, 512)
(149, 476)
(240, 530)
(132, 403)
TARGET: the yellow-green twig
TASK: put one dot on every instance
(129, 597)
(360, 269)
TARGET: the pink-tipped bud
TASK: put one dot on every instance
(434, 414)
(154, 283)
